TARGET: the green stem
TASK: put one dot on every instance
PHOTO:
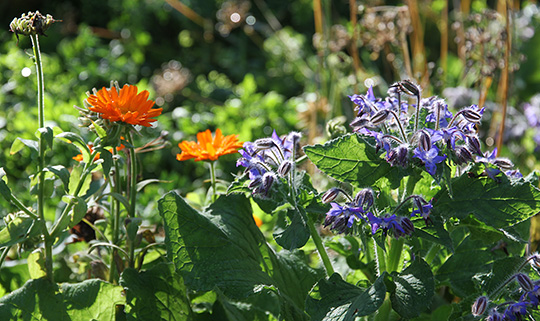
(21, 206)
(432, 253)
(115, 210)
(48, 241)
(320, 247)
(132, 177)
(213, 180)
(380, 257)
(394, 255)
(4, 255)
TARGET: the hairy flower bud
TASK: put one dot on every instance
(364, 198)
(407, 87)
(407, 225)
(495, 316)
(474, 145)
(503, 163)
(463, 155)
(398, 156)
(264, 143)
(471, 115)
(267, 180)
(285, 168)
(255, 182)
(424, 140)
(379, 117)
(330, 195)
(524, 281)
(359, 123)
(479, 306)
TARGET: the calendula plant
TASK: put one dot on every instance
(419, 217)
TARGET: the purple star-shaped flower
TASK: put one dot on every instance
(430, 158)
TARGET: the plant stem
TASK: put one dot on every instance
(48, 241)
(4, 255)
(132, 177)
(320, 247)
(394, 255)
(380, 257)
(213, 180)
(115, 211)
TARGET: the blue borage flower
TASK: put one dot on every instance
(452, 137)
(266, 159)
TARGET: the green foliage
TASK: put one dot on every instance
(40, 299)
(222, 247)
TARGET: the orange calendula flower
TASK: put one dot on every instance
(126, 106)
(208, 148)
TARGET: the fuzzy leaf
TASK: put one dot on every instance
(414, 288)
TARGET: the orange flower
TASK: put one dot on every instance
(208, 148)
(126, 106)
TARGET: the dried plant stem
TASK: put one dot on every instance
(444, 41)
(505, 76)
(352, 48)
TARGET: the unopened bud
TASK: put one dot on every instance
(524, 281)
(495, 316)
(330, 195)
(359, 123)
(479, 306)
(264, 143)
(407, 87)
(379, 117)
(463, 155)
(407, 225)
(267, 180)
(255, 182)
(474, 144)
(285, 168)
(424, 140)
(471, 115)
(503, 163)
(364, 198)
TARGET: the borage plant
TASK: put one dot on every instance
(426, 224)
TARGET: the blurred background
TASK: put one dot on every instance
(251, 66)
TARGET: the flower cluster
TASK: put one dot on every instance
(268, 158)
(341, 218)
(441, 136)
(512, 310)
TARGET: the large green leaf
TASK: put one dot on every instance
(222, 247)
(156, 294)
(42, 300)
(414, 289)
(296, 234)
(498, 203)
(337, 300)
(352, 158)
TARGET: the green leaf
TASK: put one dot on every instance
(107, 159)
(78, 141)
(143, 184)
(414, 289)
(99, 130)
(296, 234)
(36, 264)
(352, 158)
(74, 181)
(42, 300)
(18, 229)
(47, 134)
(62, 173)
(499, 204)
(19, 143)
(222, 247)
(156, 294)
(337, 300)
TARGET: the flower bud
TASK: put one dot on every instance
(495, 316)
(479, 306)
(503, 163)
(524, 281)
(364, 198)
(330, 195)
(32, 23)
(294, 137)
(424, 140)
(359, 123)
(463, 155)
(264, 143)
(471, 115)
(255, 182)
(474, 145)
(267, 180)
(407, 225)
(285, 168)
(379, 117)
(407, 87)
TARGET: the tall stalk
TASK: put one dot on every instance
(505, 75)
(48, 241)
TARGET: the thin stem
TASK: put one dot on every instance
(403, 134)
(4, 255)
(132, 177)
(48, 241)
(505, 74)
(380, 257)
(417, 115)
(320, 247)
(115, 211)
(213, 180)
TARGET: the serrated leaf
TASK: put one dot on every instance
(156, 294)
(414, 289)
(42, 300)
(222, 247)
(499, 204)
(337, 300)
(36, 264)
(352, 158)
